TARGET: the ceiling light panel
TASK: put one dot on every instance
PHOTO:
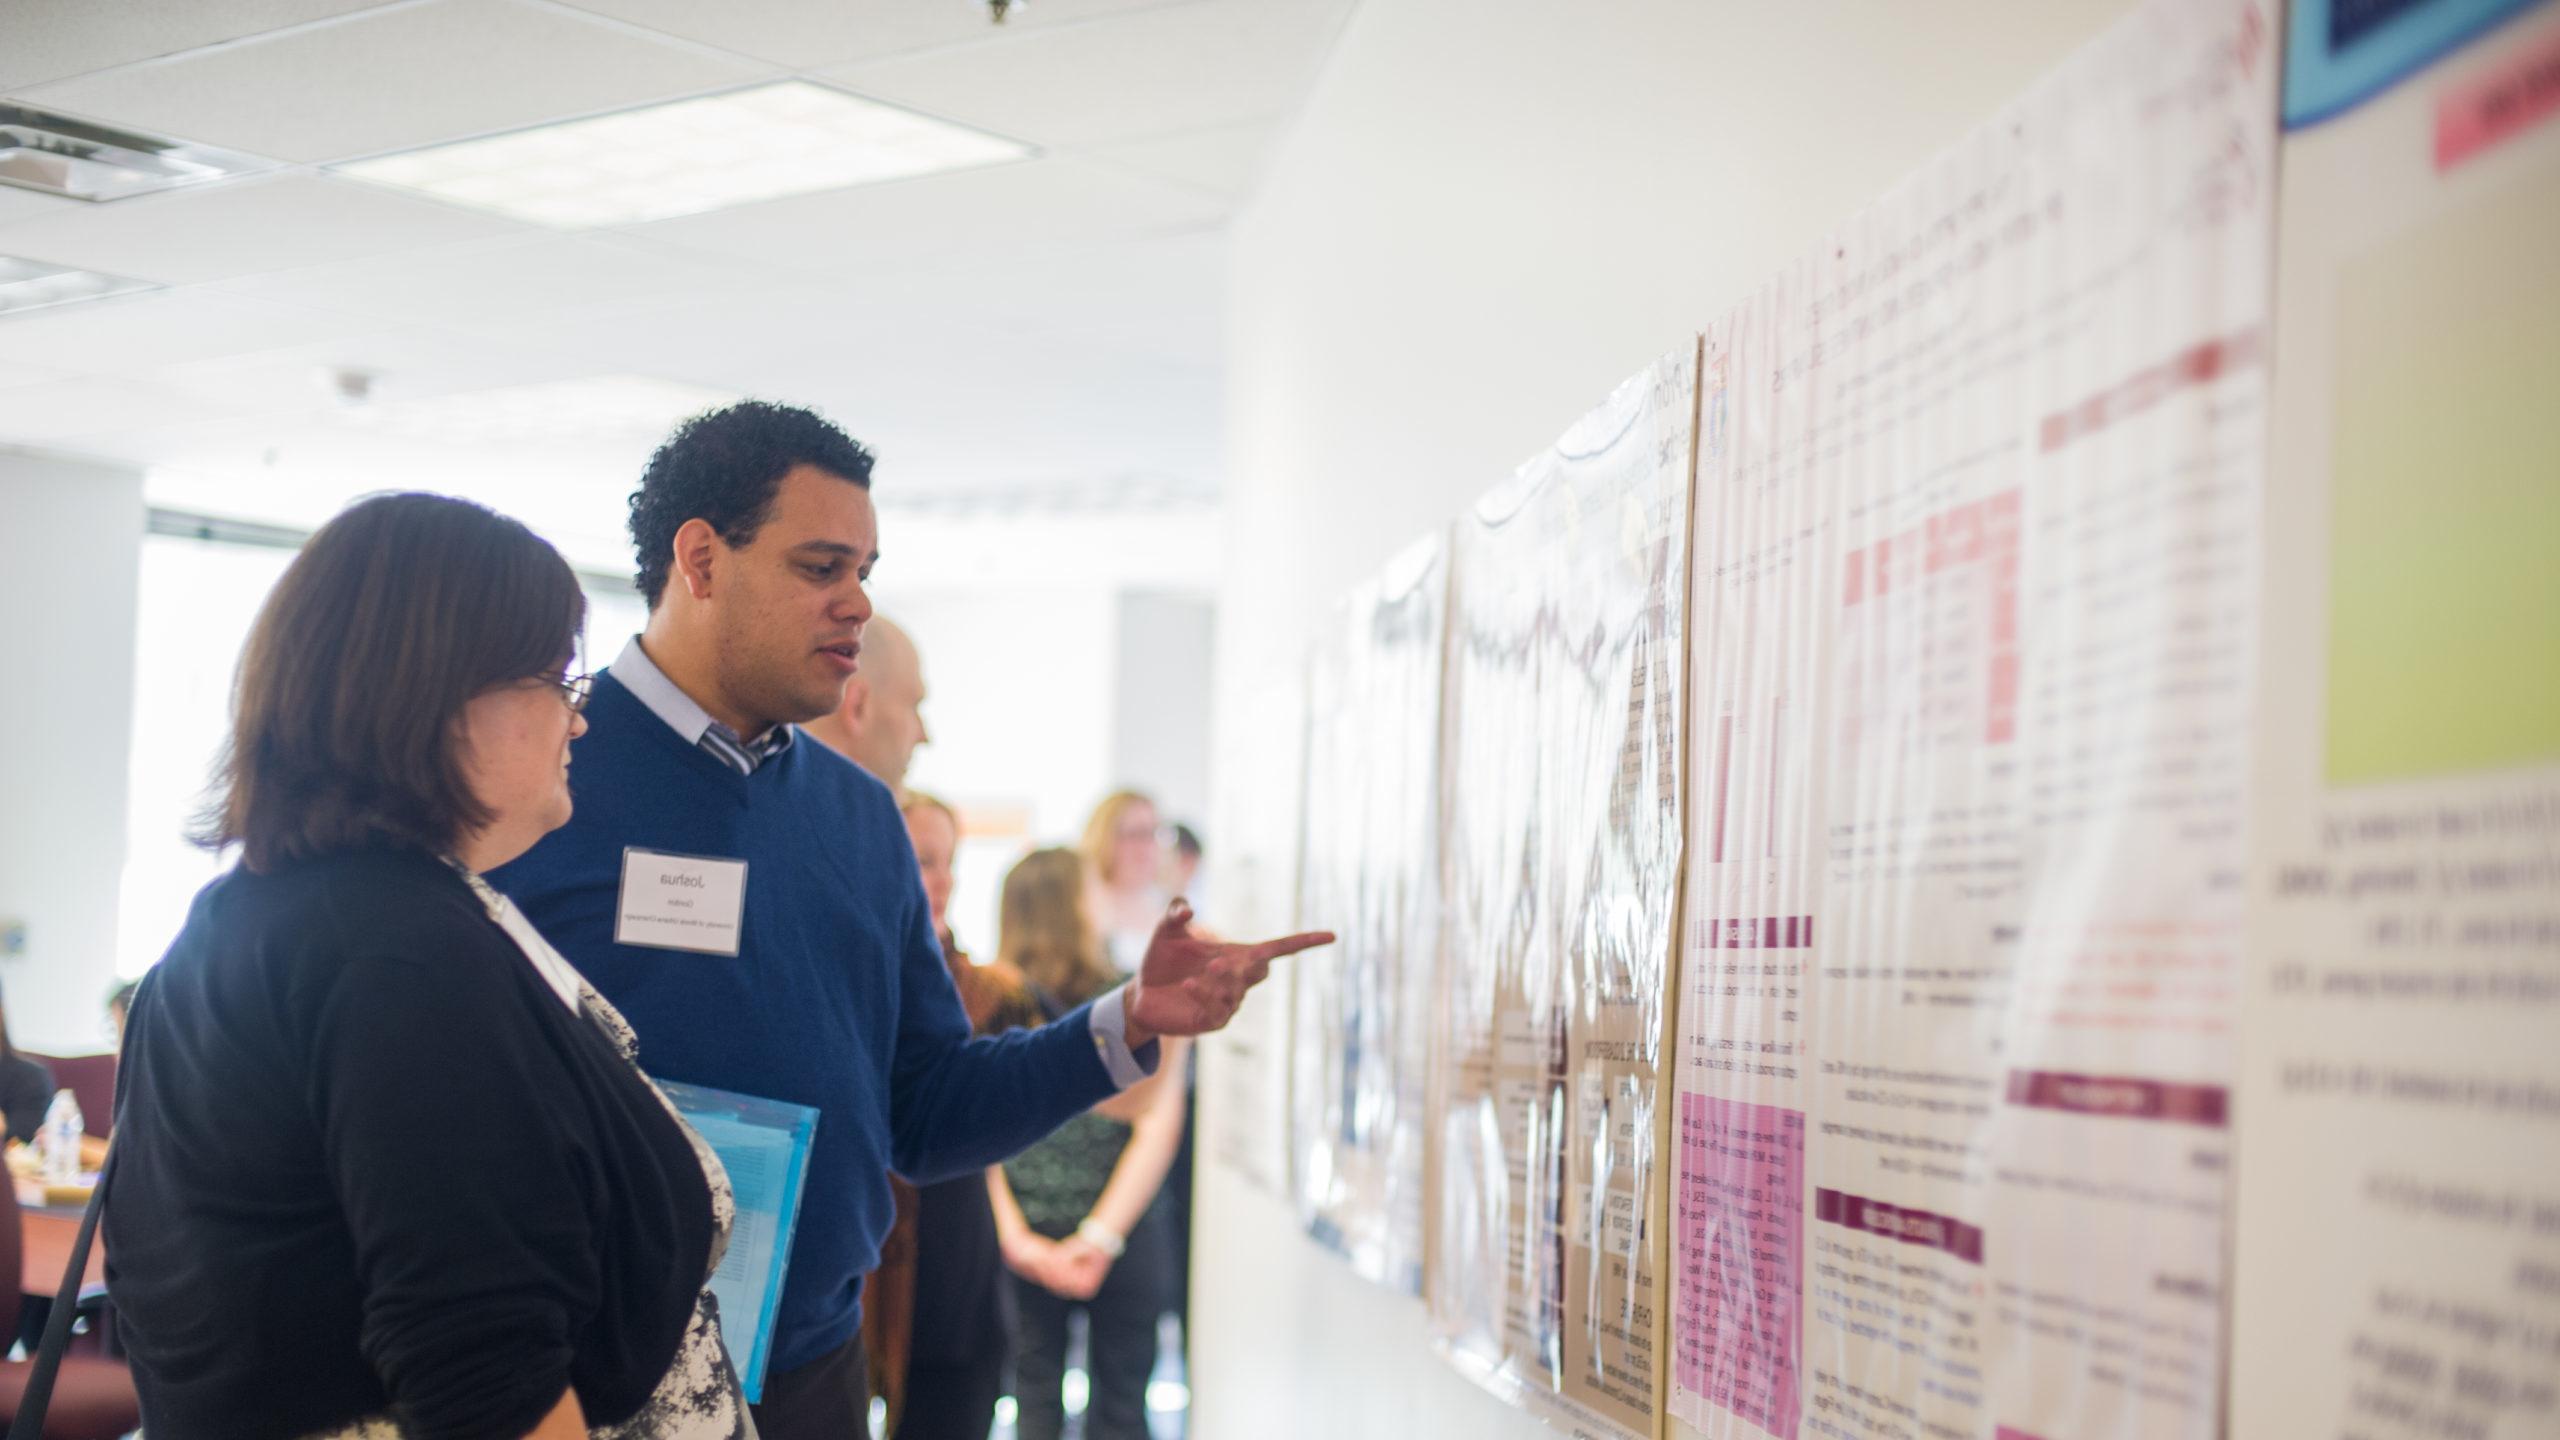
(596, 407)
(32, 285)
(688, 156)
(59, 155)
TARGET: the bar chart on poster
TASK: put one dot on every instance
(1975, 558)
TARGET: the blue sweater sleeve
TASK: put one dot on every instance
(959, 1104)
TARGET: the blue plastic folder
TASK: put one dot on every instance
(765, 1145)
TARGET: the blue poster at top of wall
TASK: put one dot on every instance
(2341, 53)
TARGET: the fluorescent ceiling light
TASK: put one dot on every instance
(62, 156)
(688, 156)
(32, 285)
(596, 407)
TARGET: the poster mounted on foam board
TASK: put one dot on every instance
(2399, 1103)
(1371, 872)
(1973, 645)
(1560, 855)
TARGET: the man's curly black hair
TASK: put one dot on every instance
(723, 467)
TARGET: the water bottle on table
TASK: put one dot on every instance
(58, 1142)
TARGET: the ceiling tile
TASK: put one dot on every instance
(14, 375)
(400, 365)
(67, 409)
(962, 395)
(18, 204)
(135, 332)
(504, 283)
(395, 79)
(1227, 161)
(1155, 72)
(1158, 299)
(714, 341)
(806, 36)
(1004, 209)
(242, 229)
(54, 39)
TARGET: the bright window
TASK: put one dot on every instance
(197, 601)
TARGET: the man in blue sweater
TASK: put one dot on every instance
(752, 905)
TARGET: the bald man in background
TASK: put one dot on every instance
(947, 1230)
(881, 721)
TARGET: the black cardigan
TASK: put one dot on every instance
(369, 1162)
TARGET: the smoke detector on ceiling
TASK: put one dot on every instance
(350, 387)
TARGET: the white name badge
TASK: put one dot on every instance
(680, 902)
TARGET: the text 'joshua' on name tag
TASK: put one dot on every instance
(680, 902)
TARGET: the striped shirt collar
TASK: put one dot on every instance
(650, 686)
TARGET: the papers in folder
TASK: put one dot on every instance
(765, 1145)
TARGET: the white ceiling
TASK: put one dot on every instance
(1049, 326)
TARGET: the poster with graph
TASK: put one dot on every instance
(1560, 842)
(2399, 1105)
(1973, 645)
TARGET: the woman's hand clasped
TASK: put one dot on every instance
(1072, 1269)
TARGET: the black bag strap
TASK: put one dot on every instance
(38, 1394)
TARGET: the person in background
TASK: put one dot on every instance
(816, 978)
(444, 1201)
(1074, 1213)
(1182, 866)
(1123, 856)
(936, 1312)
(880, 722)
(878, 726)
(1182, 878)
(26, 1088)
(120, 1006)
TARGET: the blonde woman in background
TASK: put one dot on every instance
(1123, 853)
(1073, 1213)
(1130, 867)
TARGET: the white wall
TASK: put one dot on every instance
(1160, 724)
(1491, 211)
(1034, 694)
(66, 667)
(1018, 707)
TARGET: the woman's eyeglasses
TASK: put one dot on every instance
(573, 688)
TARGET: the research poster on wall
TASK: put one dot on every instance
(2399, 1109)
(1560, 862)
(1362, 1035)
(1975, 599)
(1244, 1068)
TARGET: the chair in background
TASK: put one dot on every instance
(91, 1079)
(93, 1399)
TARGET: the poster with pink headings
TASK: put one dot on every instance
(1972, 646)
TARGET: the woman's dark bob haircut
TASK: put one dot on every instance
(345, 717)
